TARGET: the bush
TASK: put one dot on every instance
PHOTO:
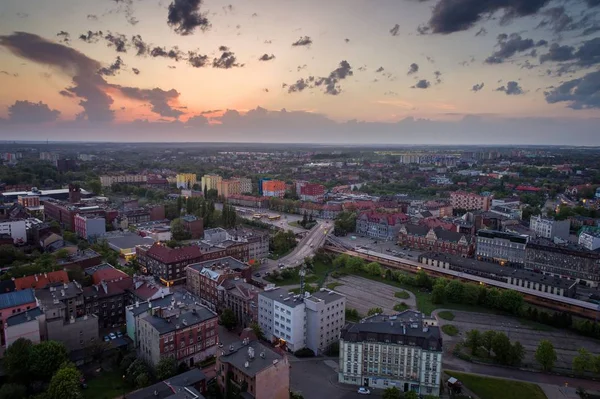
(402, 295)
(400, 307)
(304, 352)
(450, 329)
(446, 315)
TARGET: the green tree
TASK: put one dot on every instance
(47, 357)
(135, 369)
(373, 268)
(13, 391)
(178, 231)
(94, 186)
(142, 380)
(304, 220)
(545, 355)
(17, 359)
(423, 280)
(355, 264)
(411, 395)
(166, 368)
(511, 301)
(373, 311)
(487, 339)
(392, 393)
(473, 340)
(228, 319)
(257, 331)
(583, 361)
(70, 236)
(341, 261)
(454, 291)
(65, 384)
(501, 347)
(438, 295)
(596, 364)
(517, 354)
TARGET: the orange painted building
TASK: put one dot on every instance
(273, 188)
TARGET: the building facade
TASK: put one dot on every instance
(186, 180)
(501, 247)
(109, 180)
(241, 298)
(12, 303)
(273, 188)
(312, 192)
(16, 229)
(167, 264)
(549, 228)
(229, 187)
(211, 182)
(469, 201)
(89, 227)
(437, 240)
(590, 240)
(204, 278)
(382, 226)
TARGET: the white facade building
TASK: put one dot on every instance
(590, 240)
(16, 229)
(550, 228)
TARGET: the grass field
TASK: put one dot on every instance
(107, 385)
(450, 329)
(332, 286)
(495, 388)
(316, 275)
(446, 315)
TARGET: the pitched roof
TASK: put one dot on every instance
(24, 317)
(173, 255)
(442, 234)
(390, 218)
(105, 272)
(41, 280)
(16, 298)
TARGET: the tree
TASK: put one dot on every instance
(517, 354)
(341, 261)
(166, 368)
(486, 340)
(545, 355)
(95, 186)
(304, 220)
(411, 395)
(501, 347)
(423, 280)
(17, 359)
(62, 253)
(257, 330)
(438, 295)
(142, 380)
(473, 340)
(373, 268)
(374, 311)
(13, 391)
(70, 236)
(582, 362)
(65, 384)
(454, 291)
(511, 301)
(135, 369)
(178, 231)
(228, 319)
(355, 264)
(392, 393)
(47, 357)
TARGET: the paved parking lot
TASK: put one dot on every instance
(565, 343)
(363, 294)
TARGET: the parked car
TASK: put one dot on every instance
(364, 391)
(256, 274)
(112, 336)
(119, 334)
(106, 338)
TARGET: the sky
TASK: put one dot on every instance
(336, 71)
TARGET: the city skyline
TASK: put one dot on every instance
(343, 71)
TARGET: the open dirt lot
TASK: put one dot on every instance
(363, 294)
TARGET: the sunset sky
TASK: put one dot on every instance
(344, 70)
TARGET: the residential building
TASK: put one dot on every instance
(312, 192)
(297, 321)
(12, 303)
(80, 259)
(590, 239)
(30, 324)
(41, 280)
(469, 201)
(273, 188)
(108, 295)
(211, 182)
(253, 370)
(249, 201)
(549, 228)
(58, 194)
(258, 241)
(109, 180)
(167, 264)
(516, 277)
(436, 239)
(65, 212)
(260, 184)
(501, 247)
(242, 298)
(508, 211)
(16, 229)
(189, 335)
(157, 182)
(565, 260)
(383, 226)
(227, 188)
(188, 385)
(245, 185)
(204, 278)
(89, 227)
(61, 300)
(402, 351)
(125, 243)
(186, 180)
(331, 211)
(32, 201)
(193, 225)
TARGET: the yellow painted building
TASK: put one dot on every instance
(211, 182)
(186, 180)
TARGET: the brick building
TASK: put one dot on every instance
(108, 295)
(168, 264)
(383, 226)
(204, 278)
(312, 192)
(193, 225)
(437, 240)
(64, 212)
(469, 201)
(89, 227)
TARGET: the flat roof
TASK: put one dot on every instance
(225, 262)
(326, 295)
(128, 240)
(239, 355)
(187, 318)
(24, 317)
(284, 297)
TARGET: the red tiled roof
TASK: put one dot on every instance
(391, 218)
(172, 255)
(528, 188)
(41, 280)
(108, 274)
(332, 207)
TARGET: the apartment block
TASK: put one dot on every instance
(245, 185)
(380, 225)
(204, 279)
(16, 229)
(590, 240)
(227, 188)
(501, 247)
(469, 201)
(109, 180)
(30, 324)
(211, 182)
(89, 227)
(167, 264)
(186, 180)
(402, 351)
(12, 303)
(312, 192)
(549, 228)
(273, 188)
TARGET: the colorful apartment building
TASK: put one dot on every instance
(186, 180)
(273, 188)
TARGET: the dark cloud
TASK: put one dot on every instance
(477, 87)
(395, 31)
(185, 17)
(117, 40)
(347, 40)
(64, 37)
(512, 88)
(197, 120)
(450, 16)
(380, 69)
(92, 17)
(228, 8)
(171, 66)
(140, 46)
(430, 59)
(331, 82)
(265, 90)
(210, 111)
(413, 68)
(421, 84)
(223, 48)
(390, 93)
(558, 53)
(299, 86)
(587, 55)
(65, 93)
(254, 14)
(125, 7)
(135, 70)
(197, 60)
(438, 77)
(266, 57)
(303, 41)
(508, 46)
(558, 21)
(22, 15)
(174, 53)
(91, 37)
(268, 42)
(226, 60)
(159, 99)
(301, 67)
(112, 69)
(481, 32)
(581, 93)
(29, 112)
(14, 75)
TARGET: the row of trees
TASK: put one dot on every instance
(395, 393)
(585, 361)
(498, 343)
(282, 242)
(344, 223)
(307, 221)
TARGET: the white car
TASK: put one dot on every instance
(363, 391)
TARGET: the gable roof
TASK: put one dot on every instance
(41, 280)
(16, 298)
(173, 255)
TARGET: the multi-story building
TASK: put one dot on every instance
(566, 261)
(64, 300)
(41, 280)
(188, 385)
(204, 278)
(186, 180)
(32, 201)
(436, 239)
(590, 239)
(241, 298)
(167, 264)
(65, 212)
(89, 227)
(211, 182)
(508, 211)
(383, 226)
(249, 201)
(331, 211)
(258, 241)
(260, 184)
(187, 334)
(12, 303)
(108, 295)
(193, 225)
(16, 229)
(312, 192)
(253, 370)
(227, 188)
(273, 188)
(30, 324)
(109, 180)
(245, 185)
(549, 228)
(469, 201)
(296, 321)
(402, 351)
(501, 247)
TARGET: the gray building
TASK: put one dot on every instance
(550, 228)
(501, 247)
